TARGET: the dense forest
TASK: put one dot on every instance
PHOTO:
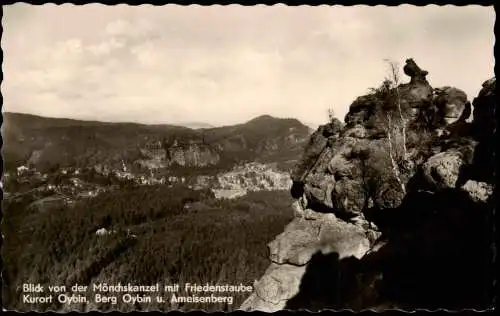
(155, 234)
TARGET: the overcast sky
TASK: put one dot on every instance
(228, 64)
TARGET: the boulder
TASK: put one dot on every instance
(415, 97)
(349, 196)
(316, 146)
(340, 167)
(478, 192)
(361, 110)
(324, 233)
(412, 70)
(452, 105)
(271, 293)
(389, 195)
(297, 243)
(442, 170)
(292, 250)
(319, 188)
(357, 131)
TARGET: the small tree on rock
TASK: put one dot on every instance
(394, 123)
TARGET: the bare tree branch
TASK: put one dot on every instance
(395, 79)
(395, 167)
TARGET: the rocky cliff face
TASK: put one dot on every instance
(241, 179)
(393, 208)
(192, 155)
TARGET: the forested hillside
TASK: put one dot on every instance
(154, 234)
(46, 142)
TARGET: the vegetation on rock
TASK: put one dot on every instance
(409, 171)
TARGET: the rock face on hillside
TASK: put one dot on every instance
(393, 208)
(192, 155)
(245, 178)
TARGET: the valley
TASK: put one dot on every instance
(171, 197)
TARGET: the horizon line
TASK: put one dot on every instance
(179, 124)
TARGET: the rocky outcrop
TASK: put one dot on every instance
(192, 155)
(254, 177)
(292, 250)
(483, 130)
(392, 209)
(451, 104)
(478, 192)
(415, 95)
(442, 170)
(484, 110)
(245, 178)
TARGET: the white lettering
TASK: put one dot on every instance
(132, 299)
(73, 299)
(105, 299)
(57, 288)
(27, 298)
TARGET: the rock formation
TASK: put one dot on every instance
(414, 72)
(452, 104)
(245, 178)
(393, 210)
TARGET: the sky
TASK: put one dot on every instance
(225, 65)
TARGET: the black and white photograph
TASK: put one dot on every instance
(247, 158)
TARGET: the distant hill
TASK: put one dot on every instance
(47, 142)
(195, 125)
(312, 126)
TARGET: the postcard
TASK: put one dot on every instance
(247, 158)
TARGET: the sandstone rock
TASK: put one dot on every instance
(442, 170)
(412, 70)
(319, 188)
(484, 110)
(298, 208)
(368, 110)
(252, 177)
(293, 249)
(452, 104)
(346, 239)
(297, 243)
(314, 149)
(358, 131)
(340, 167)
(271, 292)
(361, 110)
(349, 196)
(389, 195)
(348, 146)
(309, 214)
(488, 88)
(355, 176)
(415, 96)
(192, 155)
(302, 238)
(332, 128)
(478, 191)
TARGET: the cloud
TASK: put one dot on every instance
(105, 47)
(225, 64)
(117, 27)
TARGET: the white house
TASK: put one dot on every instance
(21, 170)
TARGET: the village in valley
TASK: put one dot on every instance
(65, 186)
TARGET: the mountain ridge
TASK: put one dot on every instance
(31, 138)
